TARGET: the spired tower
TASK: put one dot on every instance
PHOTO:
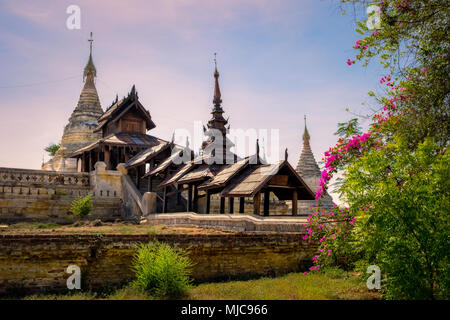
(79, 132)
(216, 128)
(308, 169)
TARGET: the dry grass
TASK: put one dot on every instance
(94, 227)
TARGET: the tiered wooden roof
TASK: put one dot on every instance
(280, 177)
(121, 107)
(225, 175)
(240, 178)
(112, 135)
(123, 139)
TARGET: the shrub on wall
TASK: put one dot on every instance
(161, 270)
(82, 206)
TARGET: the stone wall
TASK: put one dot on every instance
(38, 262)
(46, 196)
(228, 222)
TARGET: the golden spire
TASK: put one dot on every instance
(90, 68)
(306, 133)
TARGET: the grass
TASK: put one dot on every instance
(40, 225)
(294, 286)
(329, 285)
(89, 227)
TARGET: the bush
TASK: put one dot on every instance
(161, 270)
(82, 206)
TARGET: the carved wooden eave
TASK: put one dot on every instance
(120, 108)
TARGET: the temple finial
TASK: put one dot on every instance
(90, 44)
(306, 133)
(217, 95)
(89, 69)
(215, 60)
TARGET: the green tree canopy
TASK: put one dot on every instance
(395, 175)
(52, 148)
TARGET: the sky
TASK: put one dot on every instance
(278, 61)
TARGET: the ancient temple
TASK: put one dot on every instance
(308, 169)
(180, 180)
(219, 172)
(123, 134)
(79, 132)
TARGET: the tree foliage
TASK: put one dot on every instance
(52, 149)
(395, 175)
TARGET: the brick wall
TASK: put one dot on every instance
(46, 196)
(38, 263)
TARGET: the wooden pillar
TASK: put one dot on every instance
(179, 194)
(165, 198)
(266, 202)
(230, 205)
(107, 158)
(208, 202)
(136, 169)
(150, 180)
(90, 162)
(294, 202)
(222, 205)
(257, 204)
(189, 200)
(241, 204)
(149, 184)
(82, 163)
(195, 201)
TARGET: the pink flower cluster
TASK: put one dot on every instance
(355, 143)
(403, 4)
(350, 62)
(358, 45)
(314, 268)
(327, 226)
(386, 79)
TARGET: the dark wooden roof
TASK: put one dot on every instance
(226, 173)
(255, 177)
(176, 175)
(123, 139)
(200, 173)
(121, 107)
(148, 154)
